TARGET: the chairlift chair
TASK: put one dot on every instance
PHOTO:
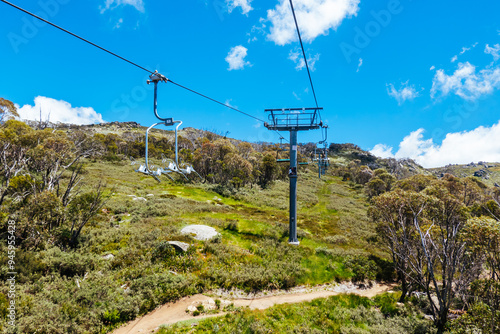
(322, 154)
(174, 166)
(151, 169)
(171, 167)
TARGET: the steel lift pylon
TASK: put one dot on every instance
(293, 120)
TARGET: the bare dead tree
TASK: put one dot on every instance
(396, 227)
(83, 208)
(12, 162)
(424, 233)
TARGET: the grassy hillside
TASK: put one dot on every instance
(123, 265)
(89, 290)
(487, 172)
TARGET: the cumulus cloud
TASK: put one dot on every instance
(112, 4)
(454, 59)
(58, 111)
(404, 93)
(297, 57)
(243, 4)
(466, 82)
(382, 151)
(315, 17)
(236, 58)
(493, 50)
(480, 144)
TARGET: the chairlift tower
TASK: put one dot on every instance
(293, 120)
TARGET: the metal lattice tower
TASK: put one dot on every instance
(293, 120)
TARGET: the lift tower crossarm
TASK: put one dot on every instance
(299, 119)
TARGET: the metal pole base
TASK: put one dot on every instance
(295, 243)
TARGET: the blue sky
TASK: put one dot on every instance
(407, 78)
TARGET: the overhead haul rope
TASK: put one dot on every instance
(130, 62)
(307, 67)
(305, 57)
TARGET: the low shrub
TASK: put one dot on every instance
(337, 239)
(69, 264)
(387, 303)
(362, 268)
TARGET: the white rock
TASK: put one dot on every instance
(182, 246)
(200, 232)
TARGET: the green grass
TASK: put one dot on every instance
(321, 269)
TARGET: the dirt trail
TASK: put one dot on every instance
(175, 312)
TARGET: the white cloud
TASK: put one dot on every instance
(112, 4)
(493, 50)
(59, 111)
(466, 82)
(315, 17)
(406, 92)
(118, 24)
(382, 151)
(257, 31)
(480, 144)
(251, 39)
(432, 68)
(359, 64)
(297, 57)
(228, 103)
(243, 4)
(464, 49)
(236, 58)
